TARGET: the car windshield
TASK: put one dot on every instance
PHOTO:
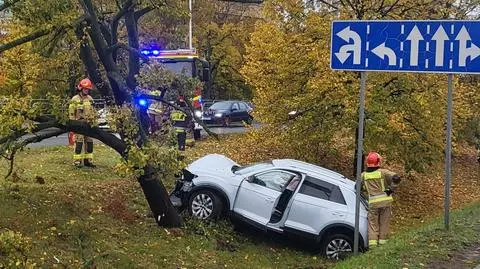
(179, 67)
(221, 106)
(251, 168)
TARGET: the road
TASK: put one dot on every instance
(63, 139)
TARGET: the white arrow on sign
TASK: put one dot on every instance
(414, 37)
(464, 52)
(382, 51)
(346, 50)
(440, 37)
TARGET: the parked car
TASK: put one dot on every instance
(227, 112)
(284, 196)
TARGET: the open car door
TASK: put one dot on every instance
(258, 195)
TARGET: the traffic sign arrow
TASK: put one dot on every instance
(382, 51)
(414, 37)
(346, 34)
(440, 37)
(464, 52)
(344, 53)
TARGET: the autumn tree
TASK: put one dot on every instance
(100, 47)
(288, 67)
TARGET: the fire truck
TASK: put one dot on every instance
(188, 62)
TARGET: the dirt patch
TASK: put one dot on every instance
(466, 258)
(116, 206)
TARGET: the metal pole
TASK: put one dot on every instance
(190, 30)
(361, 119)
(448, 152)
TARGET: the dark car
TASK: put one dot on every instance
(226, 112)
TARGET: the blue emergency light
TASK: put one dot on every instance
(142, 102)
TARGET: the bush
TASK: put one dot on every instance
(13, 249)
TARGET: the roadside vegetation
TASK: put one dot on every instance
(86, 218)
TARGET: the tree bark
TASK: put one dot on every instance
(133, 59)
(158, 199)
(91, 65)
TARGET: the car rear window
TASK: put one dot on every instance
(323, 190)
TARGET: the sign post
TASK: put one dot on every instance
(361, 120)
(448, 152)
(448, 47)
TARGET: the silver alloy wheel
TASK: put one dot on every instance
(336, 247)
(202, 206)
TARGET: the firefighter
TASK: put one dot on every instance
(379, 185)
(180, 124)
(155, 112)
(81, 109)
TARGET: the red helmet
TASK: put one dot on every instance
(374, 159)
(85, 84)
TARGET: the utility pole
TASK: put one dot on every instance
(190, 26)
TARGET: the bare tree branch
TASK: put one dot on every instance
(139, 13)
(25, 39)
(126, 47)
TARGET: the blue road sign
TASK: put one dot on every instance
(407, 46)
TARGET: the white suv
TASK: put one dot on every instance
(284, 196)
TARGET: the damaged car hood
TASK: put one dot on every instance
(215, 164)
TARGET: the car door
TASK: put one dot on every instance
(316, 204)
(235, 112)
(243, 111)
(258, 194)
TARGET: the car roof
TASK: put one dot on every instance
(313, 170)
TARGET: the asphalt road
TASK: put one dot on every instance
(63, 139)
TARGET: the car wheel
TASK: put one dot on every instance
(227, 121)
(249, 120)
(205, 204)
(337, 246)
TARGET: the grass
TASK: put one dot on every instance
(83, 218)
(416, 248)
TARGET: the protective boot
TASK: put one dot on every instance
(77, 154)
(88, 163)
(89, 154)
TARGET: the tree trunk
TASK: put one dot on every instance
(158, 199)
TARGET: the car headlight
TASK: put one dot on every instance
(218, 115)
(198, 113)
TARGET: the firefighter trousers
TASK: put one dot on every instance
(181, 138)
(84, 143)
(378, 223)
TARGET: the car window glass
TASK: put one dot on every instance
(220, 106)
(243, 106)
(251, 168)
(235, 106)
(321, 189)
(274, 180)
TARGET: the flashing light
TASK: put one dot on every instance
(142, 102)
(188, 53)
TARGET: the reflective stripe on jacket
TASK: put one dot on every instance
(374, 183)
(81, 108)
(179, 120)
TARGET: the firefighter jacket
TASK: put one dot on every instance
(81, 108)
(374, 184)
(179, 121)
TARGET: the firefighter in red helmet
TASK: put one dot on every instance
(379, 185)
(81, 109)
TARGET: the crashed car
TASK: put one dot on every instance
(284, 196)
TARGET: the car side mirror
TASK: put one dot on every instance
(250, 179)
